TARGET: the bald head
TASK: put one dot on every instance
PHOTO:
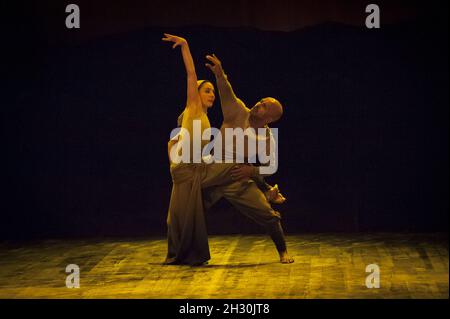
(267, 110)
(274, 110)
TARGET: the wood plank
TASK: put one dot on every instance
(326, 266)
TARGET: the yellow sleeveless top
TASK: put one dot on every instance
(195, 125)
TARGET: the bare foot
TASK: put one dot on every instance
(273, 195)
(280, 199)
(171, 261)
(199, 264)
(285, 258)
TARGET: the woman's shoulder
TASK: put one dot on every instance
(194, 114)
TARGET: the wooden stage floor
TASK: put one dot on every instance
(326, 266)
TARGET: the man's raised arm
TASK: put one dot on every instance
(232, 107)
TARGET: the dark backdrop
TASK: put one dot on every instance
(363, 142)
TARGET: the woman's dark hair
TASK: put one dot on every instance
(202, 82)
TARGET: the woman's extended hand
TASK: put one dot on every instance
(193, 101)
(176, 40)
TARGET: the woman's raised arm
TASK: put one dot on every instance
(193, 102)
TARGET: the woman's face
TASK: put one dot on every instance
(207, 95)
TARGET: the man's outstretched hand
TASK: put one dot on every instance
(216, 66)
(176, 40)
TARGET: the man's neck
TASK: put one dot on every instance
(255, 123)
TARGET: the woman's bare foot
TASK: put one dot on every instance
(273, 195)
(285, 258)
(199, 264)
(171, 261)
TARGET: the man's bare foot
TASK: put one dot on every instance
(285, 258)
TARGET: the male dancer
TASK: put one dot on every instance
(244, 194)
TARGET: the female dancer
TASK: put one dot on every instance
(187, 236)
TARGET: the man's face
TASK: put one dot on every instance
(260, 109)
(267, 110)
